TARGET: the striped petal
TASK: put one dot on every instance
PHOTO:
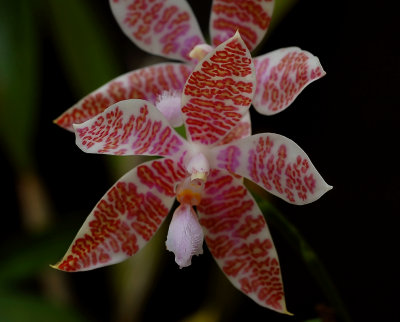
(250, 17)
(131, 127)
(281, 76)
(126, 217)
(242, 130)
(161, 27)
(275, 163)
(238, 238)
(218, 92)
(146, 83)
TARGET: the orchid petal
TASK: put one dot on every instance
(250, 17)
(238, 238)
(242, 130)
(161, 27)
(146, 83)
(275, 163)
(281, 76)
(126, 217)
(185, 235)
(131, 127)
(218, 92)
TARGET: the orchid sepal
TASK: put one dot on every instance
(281, 76)
(274, 162)
(239, 240)
(161, 27)
(130, 127)
(148, 83)
(251, 18)
(218, 92)
(126, 217)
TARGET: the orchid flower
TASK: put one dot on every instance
(169, 28)
(203, 173)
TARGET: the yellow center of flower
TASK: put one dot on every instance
(190, 191)
(188, 196)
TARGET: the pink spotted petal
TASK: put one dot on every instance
(130, 127)
(219, 92)
(238, 238)
(281, 76)
(275, 163)
(250, 17)
(162, 27)
(242, 130)
(125, 218)
(185, 235)
(146, 83)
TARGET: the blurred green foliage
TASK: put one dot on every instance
(19, 78)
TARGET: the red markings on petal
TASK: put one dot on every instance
(281, 76)
(219, 92)
(238, 238)
(167, 28)
(125, 218)
(129, 127)
(241, 130)
(251, 18)
(145, 83)
(160, 176)
(274, 162)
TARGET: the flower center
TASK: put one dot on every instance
(190, 191)
(198, 167)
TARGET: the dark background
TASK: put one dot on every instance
(346, 122)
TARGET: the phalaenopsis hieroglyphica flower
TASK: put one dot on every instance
(205, 171)
(169, 28)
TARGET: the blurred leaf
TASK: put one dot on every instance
(281, 9)
(82, 43)
(181, 131)
(26, 256)
(307, 254)
(18, 78)
(23, 307)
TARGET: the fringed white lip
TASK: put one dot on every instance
(185, 235)
(169, 104)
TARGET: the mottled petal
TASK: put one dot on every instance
(185, 235)
(162, 27)
(146, 83)
(242, 130)
(238, 238)
(218, 92)
(131, 127)
(281, 76)
(275, 163)
(250, 17)
(126, 217)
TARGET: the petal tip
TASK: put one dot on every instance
(55, 266)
